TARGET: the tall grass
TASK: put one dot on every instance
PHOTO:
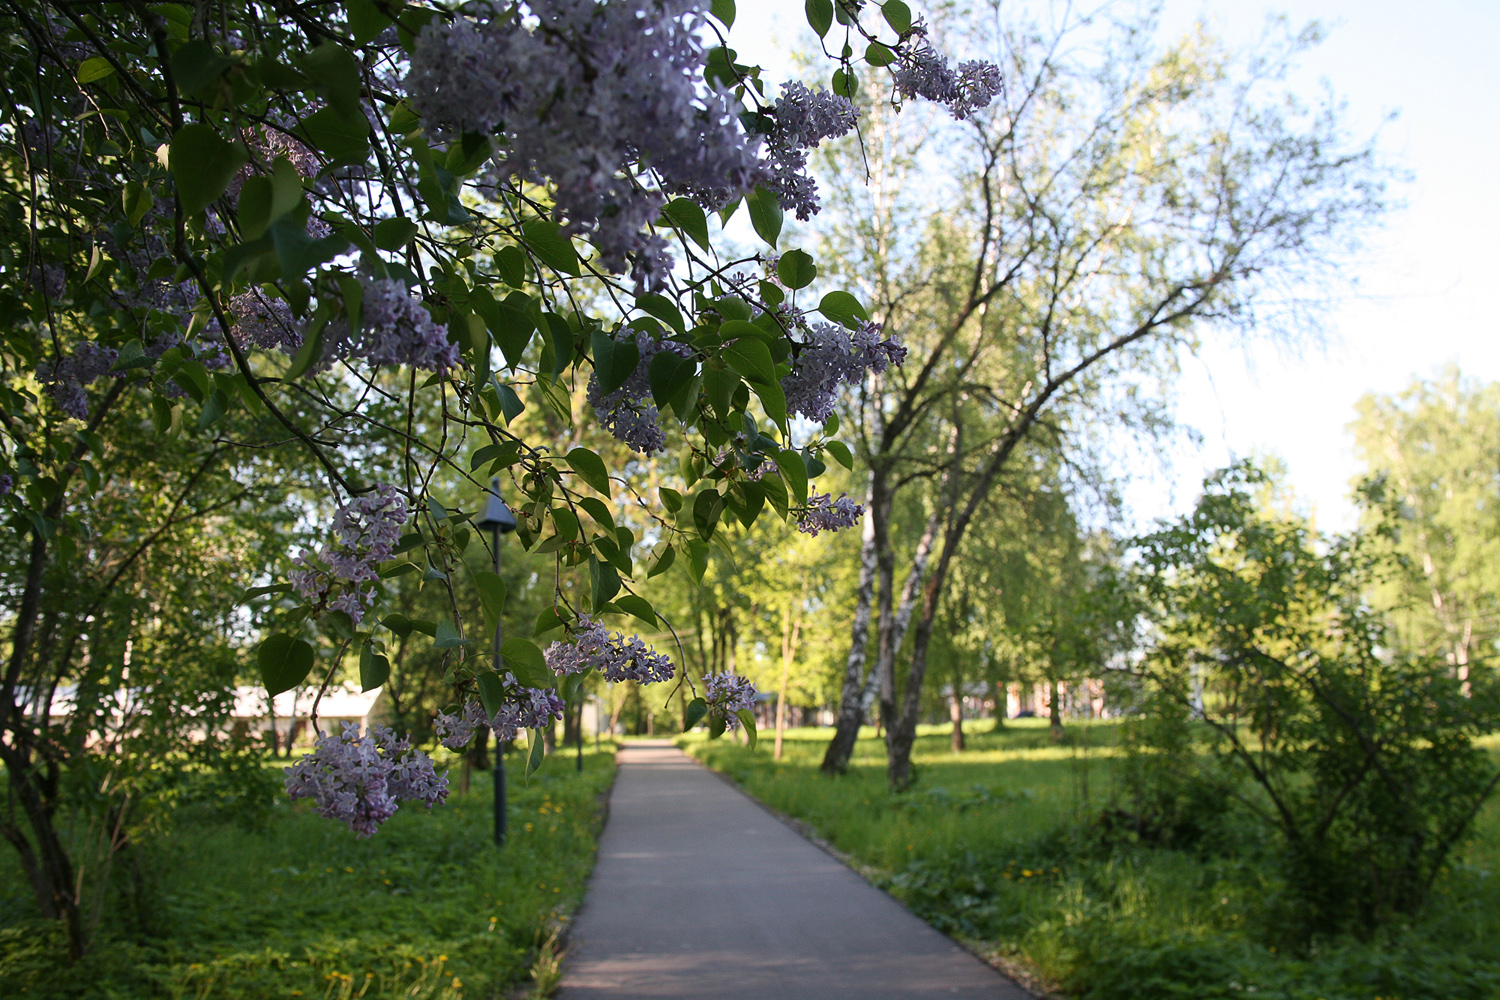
(428, 908)
(1000, 847)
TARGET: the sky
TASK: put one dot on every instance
(1416, 300)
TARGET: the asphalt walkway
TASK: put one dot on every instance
(701, 893)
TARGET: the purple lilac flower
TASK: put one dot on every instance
(833, 356)
(824, 513)
(629, 413)
(726, 694)
(365, 532)
(359, 780)
(454, 729)
(804, 118)
(263, 321)
(922, 72)
(590, 95)
(68, 377)
(6, 484)
(395, 329)
(593, 646)
(525, 708)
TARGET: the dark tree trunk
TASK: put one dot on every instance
(1054, 710)
(956, 714)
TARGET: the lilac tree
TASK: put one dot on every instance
(379, 231)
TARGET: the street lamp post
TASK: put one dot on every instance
(498, 520)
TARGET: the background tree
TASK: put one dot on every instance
(1119, 200)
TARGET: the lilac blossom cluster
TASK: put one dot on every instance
(265, 322)
(833, 356)
(629, 413)
(524, 708)
(395, 329)
(590, 95)
(7, 483)
(365, 531)
(361, 780)
(804, 118)
(67, 377)
(824, 513)
(922, 72)
(593, 646)
(727, 694)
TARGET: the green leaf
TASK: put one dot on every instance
(341, 138)
(547, 240)
(765, 213)
(510, 325)
(393, 234)
(599, 513)
(447, 636)
(748, 718)
(663, 309)
(661, 560)
(309, 354)
(534, 756)
(796, 269)
(670, 499)
(510, 264)
(841, 307)
(724, 11)
(669, 374)
(547, 621)
(845, 83)
(752, 359)
(696, 710)
(794, 471)
(524, 658)
(136, 200)
(590, 468)
(284, 662)
(275, 588)
(491, 692)
(492, 595)
(202, 165)
(614, 360)
(94, 68)
(820, 15)
(335, 74)
(510, 404)
(366, 20)
(399, 624)
(840, 452)
(374, 669)
(161, 414)
(707, 507)
(716, 726)
(196, 64)
(878, 55)
(639, 607)
(254, 207)
(687, 216)
(604, 583)
(214, 409)
(897, 15)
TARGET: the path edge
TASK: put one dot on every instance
(1024, 979)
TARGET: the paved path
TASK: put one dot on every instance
(700, 893)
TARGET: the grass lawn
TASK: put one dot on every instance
(994, 847)
(427, 908)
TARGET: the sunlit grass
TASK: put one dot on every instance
(427, 908)
(996, 846)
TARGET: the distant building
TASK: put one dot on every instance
(290, 714)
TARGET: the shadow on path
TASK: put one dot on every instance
(701, 893)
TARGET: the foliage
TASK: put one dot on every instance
(1362, 757)
(428, 909)
(1022, 876)
(1428, 496)
(346, 255)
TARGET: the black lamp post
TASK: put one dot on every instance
(498, 520)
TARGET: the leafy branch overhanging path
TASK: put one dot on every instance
(700, 892)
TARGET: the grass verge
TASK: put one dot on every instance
(427, 909)
(998, 847)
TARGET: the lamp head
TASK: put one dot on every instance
(497, 516)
